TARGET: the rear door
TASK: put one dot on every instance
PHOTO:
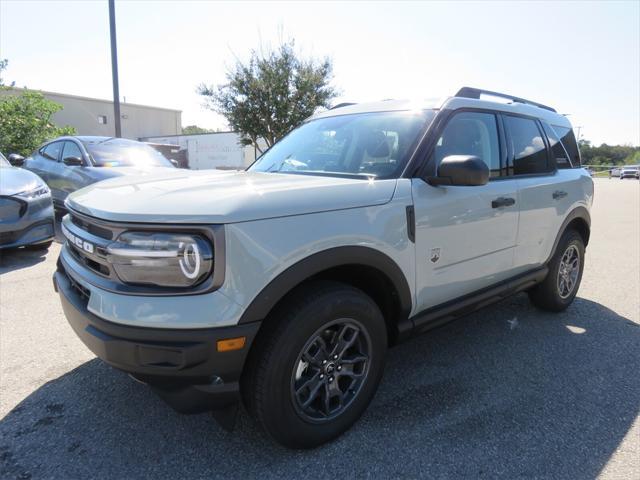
(465, 236)
(546, 183)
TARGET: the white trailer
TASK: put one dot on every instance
(211, 150)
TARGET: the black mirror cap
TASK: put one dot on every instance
(73, 161)
(16, 160)
(461, 170)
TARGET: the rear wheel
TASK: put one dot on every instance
(560, 287)
(314, 372)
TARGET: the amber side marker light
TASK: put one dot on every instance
(230, 344)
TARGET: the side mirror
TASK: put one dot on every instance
(461, 170)
(16, 160)
(73, 161)
(174, 162)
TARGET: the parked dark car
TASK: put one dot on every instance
(26, 211)
(67, 164)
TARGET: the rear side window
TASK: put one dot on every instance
(557, 149)
(529, 153)
(471, 133)
(52, 151)
(568, 139)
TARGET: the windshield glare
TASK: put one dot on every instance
(367, 145)
(119, 152)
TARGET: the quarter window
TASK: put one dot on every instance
(557, 149)
(471, 133)
(528, 147)
(52, 151)
(568, 139)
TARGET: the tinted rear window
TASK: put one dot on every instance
(527, 145)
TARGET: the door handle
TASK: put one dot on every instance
(503, 202)
(559, 194)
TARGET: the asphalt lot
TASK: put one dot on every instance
(507, 392)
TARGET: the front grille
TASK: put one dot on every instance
(92, 228)
(94, 260)
(91, 264)
(80, 290)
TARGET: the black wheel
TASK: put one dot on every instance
(559, 289)
(317, 365)
(40, 246)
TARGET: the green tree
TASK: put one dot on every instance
(25, 122)
(191, 129)
(608, 154)
(271, 94)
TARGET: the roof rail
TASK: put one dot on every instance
(343, 104)
(470, 92)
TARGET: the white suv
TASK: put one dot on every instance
(285, 284)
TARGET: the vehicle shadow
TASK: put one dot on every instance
(16, 258)
(506, 392)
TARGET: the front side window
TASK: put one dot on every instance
(527, 145)
(368, 145)
(71, 150)
(471, 133)
(52, 151)
(120, 152)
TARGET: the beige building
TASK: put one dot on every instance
(94, 116)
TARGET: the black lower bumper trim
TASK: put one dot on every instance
(182, 365)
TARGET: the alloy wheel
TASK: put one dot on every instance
(330, 370)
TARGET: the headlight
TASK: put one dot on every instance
(163, 259)
(39, 191)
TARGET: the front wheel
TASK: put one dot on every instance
(558, 290)
(314, 372)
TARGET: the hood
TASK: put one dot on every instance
(215, 196)
(16, 180)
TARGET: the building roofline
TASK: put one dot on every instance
(81, 97)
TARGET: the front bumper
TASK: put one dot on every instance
(32, 226)
(182, 365)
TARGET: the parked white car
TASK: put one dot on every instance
(630, 171)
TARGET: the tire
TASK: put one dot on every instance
(555, 293)
(275, 369)
(40, 246)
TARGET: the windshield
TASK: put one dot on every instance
(367, 145)
(3, 161)
(120, 152)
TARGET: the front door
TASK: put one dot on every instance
(465, 236)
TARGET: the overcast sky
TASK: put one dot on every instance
(583, 58)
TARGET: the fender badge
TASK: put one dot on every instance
(435, 255)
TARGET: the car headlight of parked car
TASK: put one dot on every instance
(162, 259)
(40, 191)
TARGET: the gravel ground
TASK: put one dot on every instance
(507, 392)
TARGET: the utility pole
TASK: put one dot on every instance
(114, 67)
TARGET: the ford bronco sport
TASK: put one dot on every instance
(284, 285)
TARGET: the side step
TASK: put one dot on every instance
(446, 312)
